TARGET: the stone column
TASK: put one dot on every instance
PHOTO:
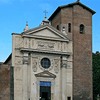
(25, 76)
(29, 76)
(63, 69)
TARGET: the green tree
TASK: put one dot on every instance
(96, 74)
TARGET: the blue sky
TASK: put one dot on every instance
(15, 13)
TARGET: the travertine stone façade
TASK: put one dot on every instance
(54, 60)
(29, 48)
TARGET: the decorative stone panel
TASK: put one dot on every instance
(34, 63)
(18, 42)
(18, 60)
(56, 65)
(45, 45)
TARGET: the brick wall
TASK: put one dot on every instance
(4, 82)
(82, 44)
(82, 48)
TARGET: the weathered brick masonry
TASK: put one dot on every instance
(82, 50)
(4, 82)
(5, 79)
(78, 14)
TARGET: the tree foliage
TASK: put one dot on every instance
(96, 74)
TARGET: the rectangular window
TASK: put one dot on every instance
(69, 27)
(68, 98)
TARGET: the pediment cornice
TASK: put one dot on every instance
(45, 51)
(45, 74)
(33, 33)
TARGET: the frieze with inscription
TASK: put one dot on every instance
(18, 42)
(26, 42)
(45, 45)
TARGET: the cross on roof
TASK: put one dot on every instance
(26, 23)
(45, 14)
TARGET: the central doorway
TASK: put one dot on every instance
(45, 90)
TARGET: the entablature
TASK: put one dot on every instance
(45, 51)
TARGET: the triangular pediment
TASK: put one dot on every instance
(46, 31)
(45, 74)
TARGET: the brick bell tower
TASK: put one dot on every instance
(75, 20)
